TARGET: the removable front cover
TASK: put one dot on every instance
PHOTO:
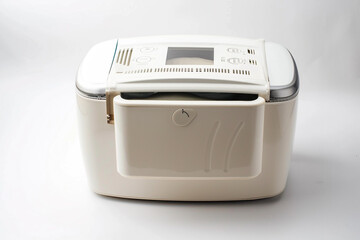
(184, 138)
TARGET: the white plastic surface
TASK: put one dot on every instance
(97, 140)
(95, 68)
(280, 65)
(148, 178)
(239, 66)
(224, 140)
(44, 192)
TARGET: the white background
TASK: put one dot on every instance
(43, 186)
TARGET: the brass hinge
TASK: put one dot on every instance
(110, 106)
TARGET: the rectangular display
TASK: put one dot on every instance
(190, 56)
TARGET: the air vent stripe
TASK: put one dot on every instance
(188, 70)
(126, 54)
(118, 57)
(128, 63)
(122, 56)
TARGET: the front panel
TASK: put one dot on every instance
(182, 138)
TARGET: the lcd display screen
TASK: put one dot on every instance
(190, 56)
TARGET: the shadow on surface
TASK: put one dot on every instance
(304, 188)
(184, 203)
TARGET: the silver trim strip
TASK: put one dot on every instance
(290, 91)
(91, 96)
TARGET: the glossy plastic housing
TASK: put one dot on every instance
(229, 150)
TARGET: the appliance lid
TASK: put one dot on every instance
(93, 72)
(189, 64)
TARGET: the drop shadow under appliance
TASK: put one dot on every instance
(188, 118)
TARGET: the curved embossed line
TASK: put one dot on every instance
(210, 146)
(231, 145)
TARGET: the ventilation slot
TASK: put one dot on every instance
(252, 62)
(137, 71)
(241, 72)
(124, 56)
(212, 70)
(174, 70)
(251, 51)
(189, 70)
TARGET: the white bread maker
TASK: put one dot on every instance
(187, 118)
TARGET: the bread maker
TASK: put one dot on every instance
(187, 118)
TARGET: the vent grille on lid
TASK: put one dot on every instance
(124, 56)
(251, 51)
(252, 62)
(207, 70)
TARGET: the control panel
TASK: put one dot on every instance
(216, 56)
(168, 62)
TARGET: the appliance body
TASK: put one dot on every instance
(195, 118)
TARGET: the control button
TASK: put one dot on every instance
(143, 59)
(147, 49)
(234, 60)
(183, 116)
(233, 50)
(237, 60)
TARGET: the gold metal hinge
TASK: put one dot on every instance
(110, 106)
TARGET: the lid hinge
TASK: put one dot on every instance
(110, 106)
